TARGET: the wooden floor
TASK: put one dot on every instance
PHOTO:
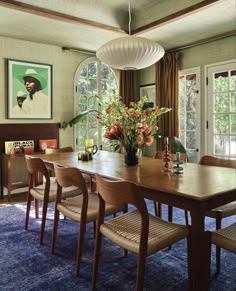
(16, 198)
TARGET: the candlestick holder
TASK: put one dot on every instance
(166, 156)
(177, 162)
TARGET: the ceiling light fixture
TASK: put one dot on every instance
(130, 52)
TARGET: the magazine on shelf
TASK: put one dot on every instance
(47, 143)
(19, 146)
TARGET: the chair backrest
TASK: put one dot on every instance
(36, 166)
(58, 150)
(120, 192)
(213, 161)
(67, 177)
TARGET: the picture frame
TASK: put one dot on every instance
(149, 91)
(29, 90)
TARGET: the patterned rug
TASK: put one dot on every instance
(25, 265)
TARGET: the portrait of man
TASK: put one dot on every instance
(32, 82)
(36, 102)
(21, 96)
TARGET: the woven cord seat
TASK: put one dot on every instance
(136, 231)
(125, 231)
(225, 238)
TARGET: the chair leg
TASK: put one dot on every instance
(170, 213)
(36, 207)
(82, 231)
(94, 228)
(190, 261)
(218, 249)
(170, 218)
(140, 272)
(44, 216)
(158, 208)
(55, 227)
(27, 211)
(186, 217)
(97, 250)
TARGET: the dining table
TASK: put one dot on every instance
(198, 189)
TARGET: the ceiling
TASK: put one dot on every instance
(87, 24)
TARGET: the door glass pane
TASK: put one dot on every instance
(221, 124)
(221, 81)
(188, 115)
(221, 145)
(221, 102)
(233, 102)
(233, 80)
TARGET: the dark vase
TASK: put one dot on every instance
(131, 157)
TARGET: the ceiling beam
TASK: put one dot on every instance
(189, 45)
(175, 16)
(35, 10)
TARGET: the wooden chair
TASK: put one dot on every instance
(136, 231)
(82, 208)
(42, 190)
(223, 238)
(222, 211)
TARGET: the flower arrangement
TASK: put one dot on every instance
(133, 127)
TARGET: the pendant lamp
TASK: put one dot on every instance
(130, 52)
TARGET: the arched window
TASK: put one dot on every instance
(93, 80)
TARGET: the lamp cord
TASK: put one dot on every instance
(129, 18)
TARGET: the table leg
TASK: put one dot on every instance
(200, 255)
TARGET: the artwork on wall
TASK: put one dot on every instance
(149, 91)
(29, 90)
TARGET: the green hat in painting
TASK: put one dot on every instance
(32, 73)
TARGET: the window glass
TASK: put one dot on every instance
(94, 80)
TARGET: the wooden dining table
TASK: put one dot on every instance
(198, 189)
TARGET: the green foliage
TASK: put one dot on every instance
(177, 146)
(77, 118)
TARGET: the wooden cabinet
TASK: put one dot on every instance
(14, 172)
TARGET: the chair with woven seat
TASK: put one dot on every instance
(136, 231)
(42, 190)
(223, 238)
(82, 208)
(223, 211)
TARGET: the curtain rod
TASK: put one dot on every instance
(199, 42)
(203, 41)
(79, 50)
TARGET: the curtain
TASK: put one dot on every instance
(167, 91)
(126, 86)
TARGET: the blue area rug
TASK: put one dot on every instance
(25, 265)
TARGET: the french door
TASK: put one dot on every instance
(189, 112)
(221, 110)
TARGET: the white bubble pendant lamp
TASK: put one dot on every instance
(130, 52)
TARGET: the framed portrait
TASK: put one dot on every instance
(149, 91)
(29, 90)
